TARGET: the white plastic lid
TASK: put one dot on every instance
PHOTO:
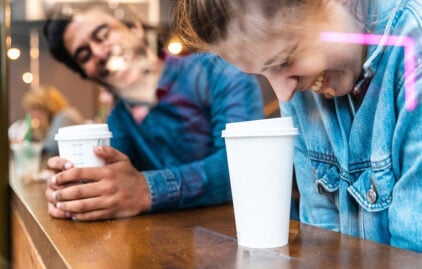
(84, 131)
(266, 127)
(264, 124)
(263, 133)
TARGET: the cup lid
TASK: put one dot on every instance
(83, 131)
(261, 133)
(260, 125)
(282, 126)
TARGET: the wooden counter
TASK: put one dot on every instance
(199, 238)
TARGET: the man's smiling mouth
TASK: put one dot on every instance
(116, 63)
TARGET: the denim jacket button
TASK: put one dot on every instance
(371, 196)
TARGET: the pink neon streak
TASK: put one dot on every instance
(370, 39)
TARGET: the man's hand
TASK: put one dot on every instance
(116, 190)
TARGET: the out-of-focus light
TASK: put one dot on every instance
(27, 77)
(13, 53)
(34, 53)
(119, 13)
(67, 10)
(113, 4)
(175, 47)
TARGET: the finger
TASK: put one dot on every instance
(110, 155)
(75, 176)
(50, 194)
(64, 182)
(94, 215)
(83, 206)
(51, 183)
(58, 164)
(78, 192)
(57, 213)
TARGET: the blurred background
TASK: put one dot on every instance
(30, 63)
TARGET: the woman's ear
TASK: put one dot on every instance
(137, 30)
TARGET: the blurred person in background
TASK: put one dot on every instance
(167, 151)
(47, 109)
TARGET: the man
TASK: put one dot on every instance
(167, 151)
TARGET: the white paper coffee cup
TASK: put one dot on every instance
(76, 143)
(260, 160)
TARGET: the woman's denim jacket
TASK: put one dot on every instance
(359, 165)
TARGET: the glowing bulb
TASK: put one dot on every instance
(175, 47)
(27, 77)
(13, 53)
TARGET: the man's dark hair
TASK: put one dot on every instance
(54, 30)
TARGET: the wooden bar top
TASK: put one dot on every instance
(196, 238)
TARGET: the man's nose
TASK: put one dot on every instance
(99, 50)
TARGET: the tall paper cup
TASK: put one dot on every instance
(76, 143)
(260, 160)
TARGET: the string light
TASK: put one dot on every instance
(27, 77)
(174, 46)
(13, 53)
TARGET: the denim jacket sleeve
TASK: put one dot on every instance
(230, 96)
(405, 212)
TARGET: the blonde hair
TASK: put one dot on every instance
(48, 99)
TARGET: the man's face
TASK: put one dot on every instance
(107, 50)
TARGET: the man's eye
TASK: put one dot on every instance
(83, 56)
(102, 34)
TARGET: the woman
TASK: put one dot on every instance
(49, 110)
(349, 75)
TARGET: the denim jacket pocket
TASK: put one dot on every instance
(326, 175)
(374, 187)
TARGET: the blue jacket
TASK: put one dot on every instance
(359, 166)
(178, 146)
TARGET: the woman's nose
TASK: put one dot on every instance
(283, 86)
